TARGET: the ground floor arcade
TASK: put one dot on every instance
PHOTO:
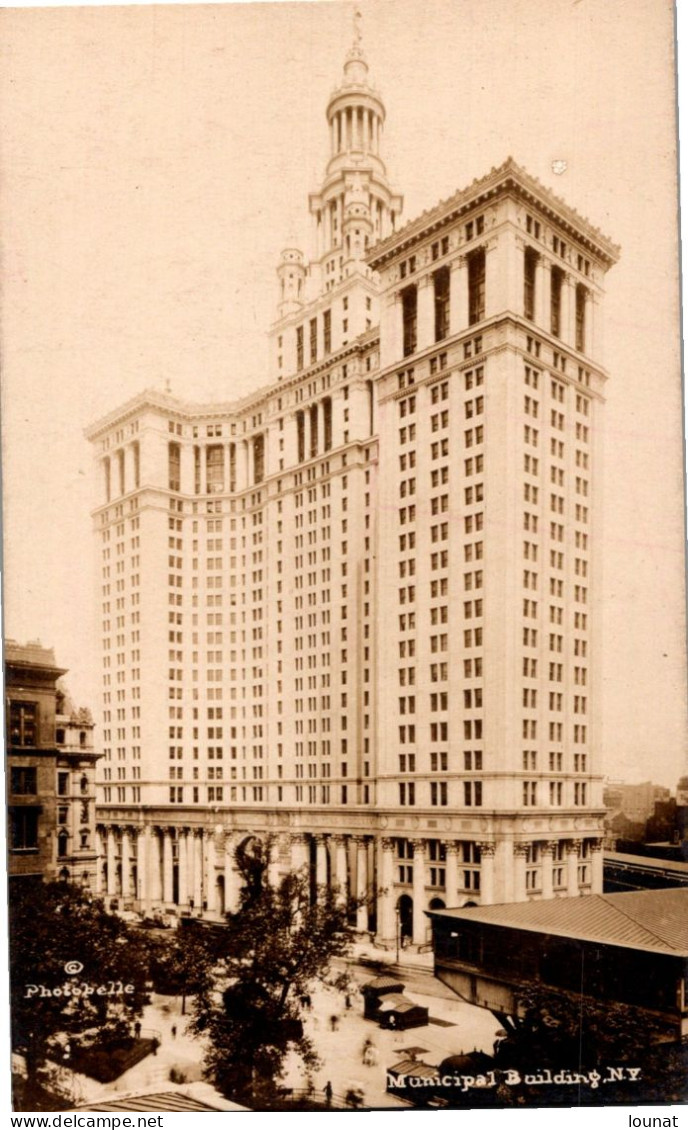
(395, 875)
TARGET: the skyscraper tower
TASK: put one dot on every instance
(354, 611)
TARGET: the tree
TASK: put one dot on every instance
(278, 943)
(557, 1030)
(179, 964)
(73, 968)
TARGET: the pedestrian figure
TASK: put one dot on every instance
(334, 1023)
(174, 1031)
(347, 1001)
(137, 1029)
(328, 1093)
(307, 1001)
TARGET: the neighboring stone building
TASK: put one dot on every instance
(50, 771)
(31, 755)
(76, 792)
(356, 610)
(629, 807)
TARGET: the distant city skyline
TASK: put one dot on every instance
(132, 262)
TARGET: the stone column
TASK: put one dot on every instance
(487, 875)
(386, 917)
(565, 311)
(597, 868)
(494, 281)
(183, 863)
(547, 850)
(392, 330)
(155, 866)
(419, 919)
(425, 313)
(142, 865)
(594, 330)
(232, 878)
(573, 852)
(190, 866)
(198, 870)
(321, 861)
(274, 865)
(361, 883)
(111, 862)
(126, 864)
(340, 869)
(504, 273)
(520, 852)
(210, 892)
(451, 884)
(458, 295)
(300, 854)
(167, 890)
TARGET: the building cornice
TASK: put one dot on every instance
(506, 177)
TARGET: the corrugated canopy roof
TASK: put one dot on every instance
(163, 1101)
(646, 920)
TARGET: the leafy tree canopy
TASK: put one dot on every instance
(74, 968)
(277, 945)
(559, 1030)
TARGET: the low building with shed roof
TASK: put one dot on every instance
(629, 949)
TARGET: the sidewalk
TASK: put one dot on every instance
(463, 1028)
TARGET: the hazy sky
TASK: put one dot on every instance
(157, 159)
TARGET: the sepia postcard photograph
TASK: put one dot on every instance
(344, 622)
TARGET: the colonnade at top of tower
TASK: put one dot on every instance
(355, 128)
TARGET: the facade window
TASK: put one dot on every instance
(24, 829)
(529, 793)
(299, 347)
(23, 780)
(136, 451)
(215, 468)
(441, 283)
(473, 793)
(174, 455)
(555, 301)
(23, 723)
(409, 306)
(327, 331)
(301, 436)
(476, 287)
(313, 327)
(258, 458)
(529, 269)
(327, 423)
